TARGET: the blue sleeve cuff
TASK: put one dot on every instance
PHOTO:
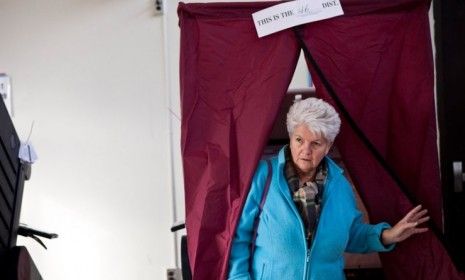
(376, 238)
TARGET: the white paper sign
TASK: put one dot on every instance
(307, 7)
(290, 14)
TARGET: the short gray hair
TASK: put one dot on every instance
(319, 116)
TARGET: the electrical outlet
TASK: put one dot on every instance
(174, 274)
(158, 7)
(5, 92)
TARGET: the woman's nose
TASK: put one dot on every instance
(307, 149)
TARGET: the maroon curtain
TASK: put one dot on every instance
(231, 87)
(381, 67)
(377, 57)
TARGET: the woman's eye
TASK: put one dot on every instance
(316, 144)
(299, 140)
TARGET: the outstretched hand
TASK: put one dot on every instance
(406, 227)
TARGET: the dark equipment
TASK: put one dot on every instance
(15, 261)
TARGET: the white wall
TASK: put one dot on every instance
(91, 76)
(100, 80)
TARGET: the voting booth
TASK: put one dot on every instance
(374, 63)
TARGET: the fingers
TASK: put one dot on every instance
(407, 226)
(413, 224)
(418, 215)
(409, 232)
(410, 225)
(422, 220)
(420, 230)
(412, 213)
(410, 229)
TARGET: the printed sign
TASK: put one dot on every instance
(290, 14)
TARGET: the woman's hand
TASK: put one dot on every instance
(406, 227)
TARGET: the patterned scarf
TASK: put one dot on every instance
(307, 195)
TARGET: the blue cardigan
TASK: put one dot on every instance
(281, 251)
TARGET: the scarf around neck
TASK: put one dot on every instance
(307, 196)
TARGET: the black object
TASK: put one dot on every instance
(364, 274)
(159, 5)
(17, 264)
(185, 266)
(13, 173)
(449, 35)
(177, 226)
(33, 233)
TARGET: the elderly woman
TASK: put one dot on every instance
(309, 218)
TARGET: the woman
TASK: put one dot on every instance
(309, 218)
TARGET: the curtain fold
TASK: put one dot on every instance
(231, 87)
(378, 59)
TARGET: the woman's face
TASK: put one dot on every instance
(307, 149)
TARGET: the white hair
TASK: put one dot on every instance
(319, 116)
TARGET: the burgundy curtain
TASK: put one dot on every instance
(377, 57)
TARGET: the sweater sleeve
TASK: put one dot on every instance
(240, 249)
(364, 237)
